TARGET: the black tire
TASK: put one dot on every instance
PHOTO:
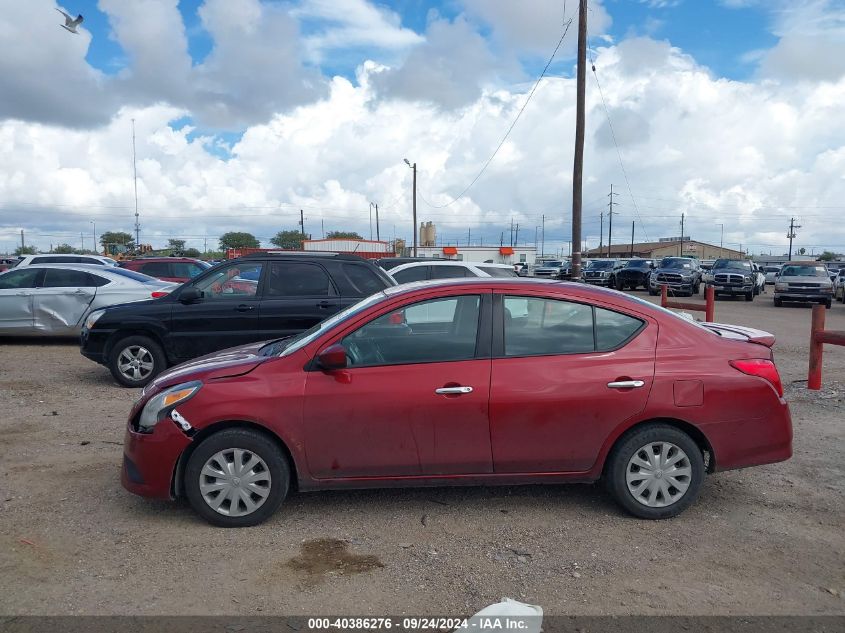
(778, 302)
(620, 285)
(653, 293)
(252, 442)
(154, 354)
(696, 288)
(749, 296)
(828, 304)
(635, 441)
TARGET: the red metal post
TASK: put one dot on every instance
(710, 304)
(664, 295)
(814, 376)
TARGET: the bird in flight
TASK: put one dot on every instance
(71, 23)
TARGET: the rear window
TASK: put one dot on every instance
(414, 273)
(498, 272)
(131, 274)
(364, 280)
(450, 272)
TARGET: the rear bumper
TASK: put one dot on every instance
(763, 440)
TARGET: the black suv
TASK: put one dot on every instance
(733, 277)
(634, 274)
(254, 298)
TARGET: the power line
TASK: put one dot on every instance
(512, 125)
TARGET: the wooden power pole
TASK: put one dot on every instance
(578, 163)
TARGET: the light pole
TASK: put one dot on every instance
(94, 228)
(414, 167)
(378, 235)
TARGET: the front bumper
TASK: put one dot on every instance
(791, 295)
(149, 459)
(732, 289)
(677, 286)
(92, 345)
(597, 281)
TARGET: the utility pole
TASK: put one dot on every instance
(791, 235)
(578, 162)
(23, 246)
(610, 214)
(502, 239)
(469, 236)
(632, 238)
(302, 225)
(81, 242)
(543, 235)
(205, 245)
(371, 221)
(94, 229)
(516, 235)
(414, 167)
(722, 240)
(601, 231)
(378, 236)
(681, 245)
(511, 231)
(135, 180)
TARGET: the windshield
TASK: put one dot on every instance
(601, 264)
(803, 271)
(553, 264)
(732, 263)
(638, 263)
(772, 269)
(676, 262)
(294, 343)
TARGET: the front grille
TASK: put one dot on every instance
(670, 278)
(729, 278)
(804, 286)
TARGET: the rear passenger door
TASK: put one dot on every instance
(297, 296)
(62, 299)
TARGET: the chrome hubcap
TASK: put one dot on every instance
(658, 474)
(235, 482)
(135, 362)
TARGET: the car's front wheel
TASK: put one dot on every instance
(655, 471)
(135, 360)
(236, 478)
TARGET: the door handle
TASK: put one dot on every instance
(244, 308)
(326, 304)
(625, 384)
(443, 391)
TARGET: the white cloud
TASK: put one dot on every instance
(744, 154)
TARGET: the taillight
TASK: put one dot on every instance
(158, 294)
(760, 367)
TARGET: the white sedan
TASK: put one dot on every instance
(54, 300)
(444, 269)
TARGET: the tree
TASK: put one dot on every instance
(176, 245)
(343, 235)
(25, 250)
(827, 256)
(64, 249)
(191, 252)
(802, 251)
(289, 240)
(114, 242)
(236, 239)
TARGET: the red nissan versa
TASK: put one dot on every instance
(494, 381)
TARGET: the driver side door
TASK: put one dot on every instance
(413, 399)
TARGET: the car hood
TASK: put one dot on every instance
(235, 361)
(805, 279)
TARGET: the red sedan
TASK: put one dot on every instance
(490, 381)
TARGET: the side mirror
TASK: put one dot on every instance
(333, 357)
(189, 295)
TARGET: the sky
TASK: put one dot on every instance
(730, 112)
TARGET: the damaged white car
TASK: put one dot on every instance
(55, 300)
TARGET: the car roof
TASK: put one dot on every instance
(298, 255)
(163, 258)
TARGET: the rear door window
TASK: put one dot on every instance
(450, 272)
(613, 329)
(156, 269)
(290, 279)
(21, 278)
(65, 278)
(414, 273)
(535, 327)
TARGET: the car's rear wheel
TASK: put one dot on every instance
(620, 285)
(236, 478)
(828, 304)
(655, 471)
(652, 291)
(778, 302)
(135, 360)
(749, 296)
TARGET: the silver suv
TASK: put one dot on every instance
(803, 281)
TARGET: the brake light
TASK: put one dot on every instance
(158, 294)
(762, 368)
(396, 318)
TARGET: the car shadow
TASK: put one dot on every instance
(39, 340)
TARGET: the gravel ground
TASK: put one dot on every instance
(767, 540)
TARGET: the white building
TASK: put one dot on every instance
(480, 254)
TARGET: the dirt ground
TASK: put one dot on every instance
(768, 540)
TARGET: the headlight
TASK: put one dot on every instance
(92, 318)
(747, 279)
(781, 287)
(163, 403)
